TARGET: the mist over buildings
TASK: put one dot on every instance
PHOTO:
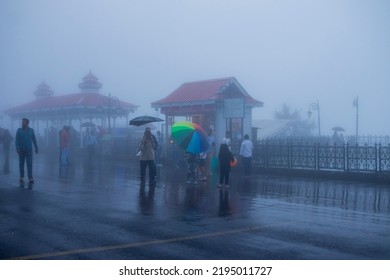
(293, 52)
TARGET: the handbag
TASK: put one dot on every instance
(138, 154)
(233, 163)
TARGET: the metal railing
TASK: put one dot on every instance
(291, 154)
(316, 156)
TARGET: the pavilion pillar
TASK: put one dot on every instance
(220, 125)
(81, 133)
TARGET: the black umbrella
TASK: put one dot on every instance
(138, 121)
(87, 124)
(338, 128)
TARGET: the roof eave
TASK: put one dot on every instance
(182, 104)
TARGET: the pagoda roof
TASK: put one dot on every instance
(90, 77)
(90, 83)
(206, 92)
(61, 102)
(43, 90)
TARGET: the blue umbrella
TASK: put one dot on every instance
(190, 136)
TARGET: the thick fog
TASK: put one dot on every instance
(293, 52)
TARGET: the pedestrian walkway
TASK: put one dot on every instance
(100, 211)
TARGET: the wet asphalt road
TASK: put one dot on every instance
(100, 211)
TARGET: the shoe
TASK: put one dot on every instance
(219, 186)
(31, 180)
(227, 186)
(21, 180)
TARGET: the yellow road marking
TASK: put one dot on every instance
(138, 244)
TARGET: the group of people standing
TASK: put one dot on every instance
(197, 163)
(201, 165)
(25, 140)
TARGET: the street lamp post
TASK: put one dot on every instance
(109, 113)
(315, 107)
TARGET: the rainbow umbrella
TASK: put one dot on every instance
(190, 136)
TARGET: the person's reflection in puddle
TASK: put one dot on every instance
(146, 200)
(224, 208)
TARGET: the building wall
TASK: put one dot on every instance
(247, 127)
(221, 125)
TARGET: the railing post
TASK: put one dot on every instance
(347, 156)
(263, 143)
(344, 152)
(366, 156)
(317, 155)
(266, 153)
(289, 149)
(378, 156)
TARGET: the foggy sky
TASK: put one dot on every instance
(294, 52)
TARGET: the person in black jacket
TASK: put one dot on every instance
(225, 156)
(24, 141)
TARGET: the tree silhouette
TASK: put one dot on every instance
(299, 127)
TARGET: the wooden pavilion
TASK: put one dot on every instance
(220, 104)
(89, 105)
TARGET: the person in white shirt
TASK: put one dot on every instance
(226, 140)
(246, 154)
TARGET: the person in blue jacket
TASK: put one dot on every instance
(24, 140)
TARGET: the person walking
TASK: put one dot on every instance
(147, 148)
(225, 157)
(24, 140)
(246, 154)
(64, 145)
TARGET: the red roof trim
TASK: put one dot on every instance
(206, 91)
(70, 100)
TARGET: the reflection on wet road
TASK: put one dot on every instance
(99, 210)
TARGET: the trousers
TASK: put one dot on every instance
(152, 170)
(224, 173)
(25, 156)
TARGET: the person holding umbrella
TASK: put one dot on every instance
(147, 148)
(193, 139)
